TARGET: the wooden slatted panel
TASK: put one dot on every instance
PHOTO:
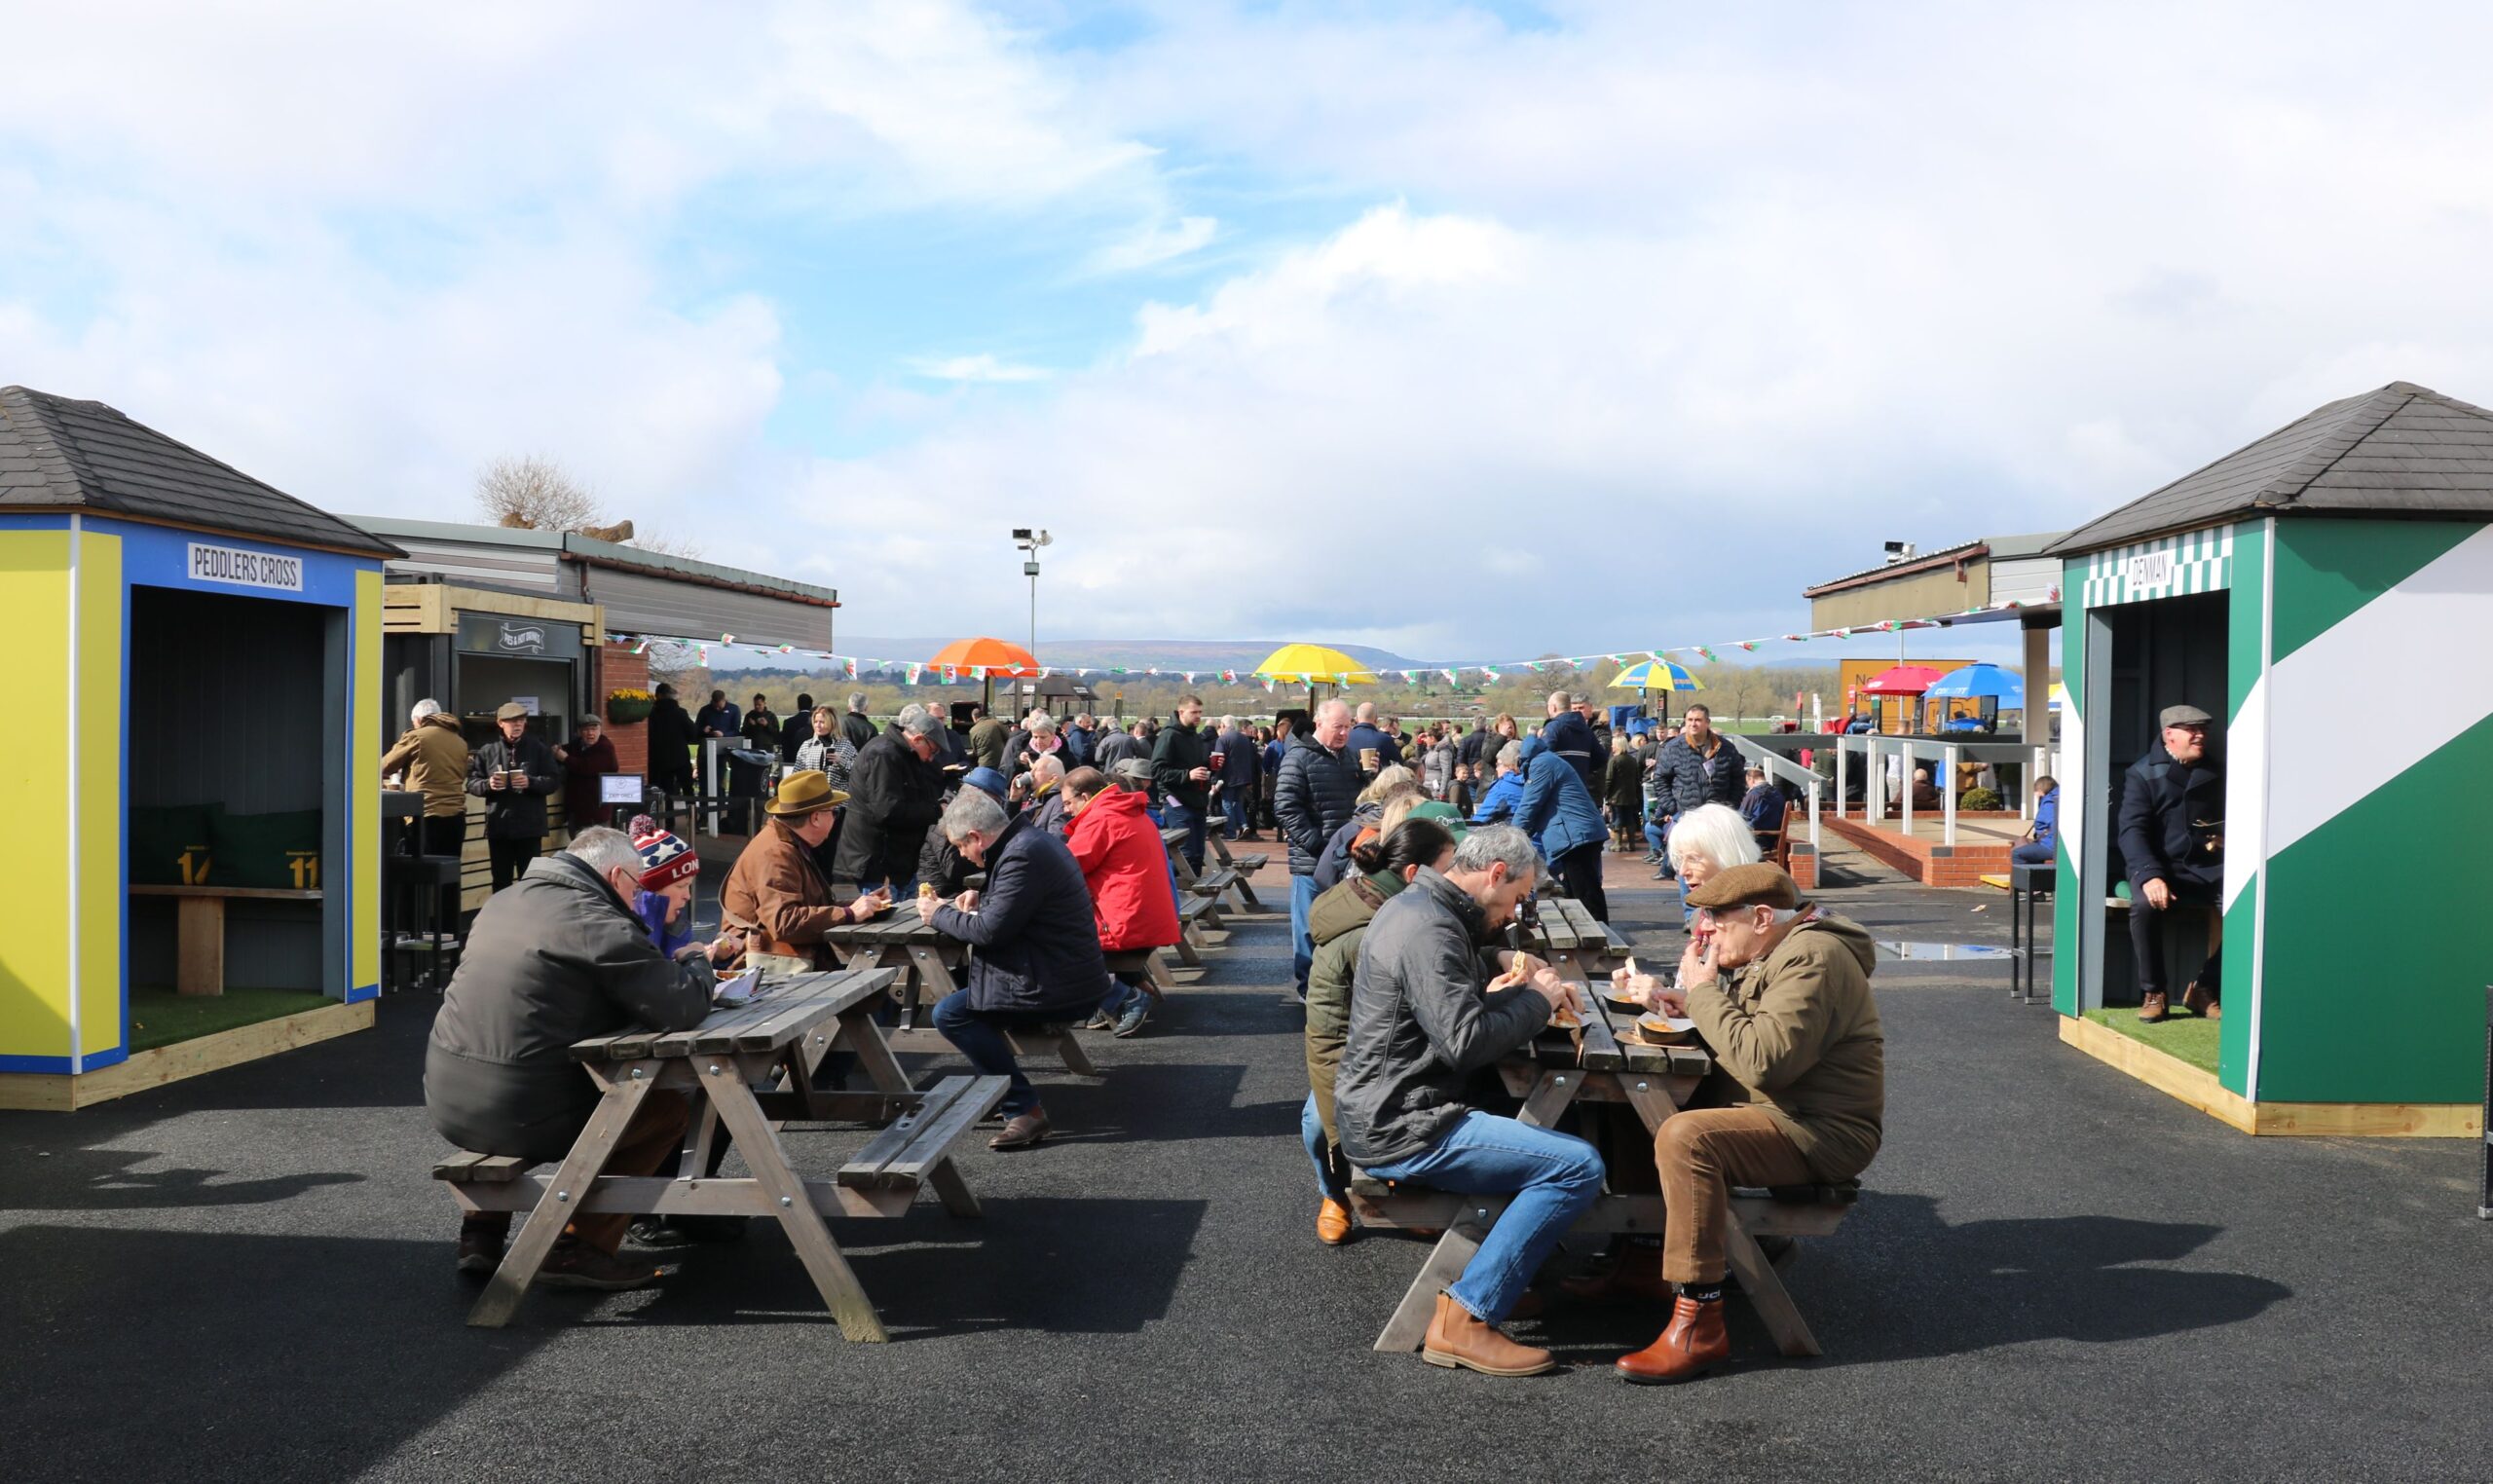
(866, 1167)
(938, 1132)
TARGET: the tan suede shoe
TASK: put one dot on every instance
(1456, 1338)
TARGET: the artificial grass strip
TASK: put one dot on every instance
(2184, 1038)
(160, 1018)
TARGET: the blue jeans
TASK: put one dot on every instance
(2032, 853)
(1233, 812)
(1302, 953)
(1656, 837)
(1181, 817)
(1120, 995)
(1553, 1179)
(980, 1036)
(1311, 1131)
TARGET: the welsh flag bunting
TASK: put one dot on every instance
(1706, 653)
(914, 672)
(643, 647)
(1451, 679)
(1190, 676)
(851, 669)
(1229, 676)
(1842, 633)
(1798, 638)
(1748, 643)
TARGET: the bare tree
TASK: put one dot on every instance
(533, 494)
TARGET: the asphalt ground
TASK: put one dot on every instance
(2057, 1273)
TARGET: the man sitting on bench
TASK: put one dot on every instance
(557, 958)
(2171, 838)
(1038, 959)
(1780, 992)
(1425, 1016)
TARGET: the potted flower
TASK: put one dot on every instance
(628, 707)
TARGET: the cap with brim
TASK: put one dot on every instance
(1132, 770)
(511, 710)
(987, 781)
(1756, 884)
(1439, 811)
(805, 793)
(2184, 716)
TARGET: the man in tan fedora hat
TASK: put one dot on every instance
(777, 896)
(1780, 992)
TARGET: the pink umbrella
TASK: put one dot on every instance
(1902, 680)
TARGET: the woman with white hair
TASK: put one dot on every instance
(1704, 842)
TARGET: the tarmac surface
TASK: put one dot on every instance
(2057, 1273)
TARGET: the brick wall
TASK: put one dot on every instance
(620, 669)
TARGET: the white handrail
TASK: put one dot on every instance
(1777, 765)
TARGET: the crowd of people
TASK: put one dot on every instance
(1039, 845)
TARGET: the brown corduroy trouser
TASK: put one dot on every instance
(1699, 1155)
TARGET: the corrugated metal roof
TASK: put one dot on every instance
(582, 548)
(2401, 449)
(58, 453)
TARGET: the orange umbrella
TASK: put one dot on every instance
(992, 657)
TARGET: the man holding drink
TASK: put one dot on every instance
(512, 775)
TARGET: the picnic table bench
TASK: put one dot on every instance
(1607, 1079)
(1243, 865)
(1210, 884)
(745, 1069)
(926, 960)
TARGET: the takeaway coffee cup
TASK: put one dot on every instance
(1367, 759)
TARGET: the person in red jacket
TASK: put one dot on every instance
(1126, 868)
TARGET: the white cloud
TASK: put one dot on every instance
(1155, 244)
(977, 368)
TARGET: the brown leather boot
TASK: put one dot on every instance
(1333, 1223)
(1694, 1343)
(1632, 1272)
(2152, 1009)
(2198, 1001)
(1456, 1338)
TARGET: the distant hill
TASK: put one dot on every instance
(1102, 654)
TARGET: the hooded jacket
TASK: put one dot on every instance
(1570, 737)
(1420, 1025)
(1037, 940)
(1335, 862)
(555, 958)
(1180, 750)
(1500, 800)
(1797, 1033)
(1336, 924)
(435, 757)
(1313, 793)
(1126, 868)
(1557, 810)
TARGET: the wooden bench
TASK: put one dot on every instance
(745, 1070)
(1244, 865)
(1145, 962)
(200, 920)
(928, 960)
(1786, 1211)
(1189, 944)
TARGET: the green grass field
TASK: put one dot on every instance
(160, 1018)
(2184, 1038)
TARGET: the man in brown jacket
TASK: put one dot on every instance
(434, 757)
(777, 896)
(1780, 992)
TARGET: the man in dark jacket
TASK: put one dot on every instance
(512, 775)
(1473, 758)
(2171, 838)
(798, 726)
(1570, 737)
(1181, 770)
(857, 727)
(1116, 747)
(556, 959)
(894, 793)
(1242, 779)
(1313, 793)
(1037, 943)
(987, 739)
(718, 719)
(1367, 737)
(1424, 1020)
(1081, 742)
(1624, 794)
(672, 737)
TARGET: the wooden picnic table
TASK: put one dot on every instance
(1583, 947)
(745, 1070)
(1608, 1079)
(927, 962)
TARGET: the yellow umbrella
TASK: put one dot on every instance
(1313, 665)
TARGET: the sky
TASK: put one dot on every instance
(1473, 331)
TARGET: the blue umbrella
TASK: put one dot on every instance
(1975, 680)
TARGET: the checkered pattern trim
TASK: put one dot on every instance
(2194, 562)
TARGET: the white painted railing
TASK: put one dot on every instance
(1778, 766)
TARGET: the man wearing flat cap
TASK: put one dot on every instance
(512, 775)
(776, 895)
(2171, 838)
(1780, 992)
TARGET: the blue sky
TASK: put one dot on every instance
(1474, 331)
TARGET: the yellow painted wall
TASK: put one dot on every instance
(34, 956)
(365, 929)
(100, 729)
